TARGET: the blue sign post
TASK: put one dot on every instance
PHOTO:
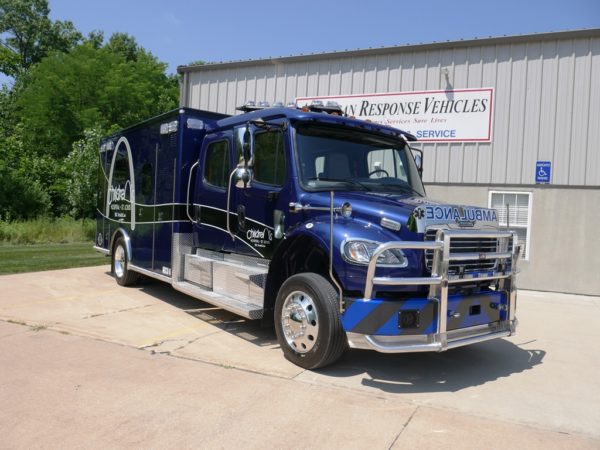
(543, 172)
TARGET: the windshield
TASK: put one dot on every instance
(333, 158)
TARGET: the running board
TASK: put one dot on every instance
(239, 307)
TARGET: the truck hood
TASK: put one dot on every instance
(414, 212)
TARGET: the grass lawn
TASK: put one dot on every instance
(33, 258)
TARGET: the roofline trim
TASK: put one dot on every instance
(570, 34)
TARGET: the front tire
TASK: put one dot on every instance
(307, 321)
(119, 264)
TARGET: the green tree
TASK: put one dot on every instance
(95, 39)
(22, 196)
(125, 45)
(27, 35)
(63, 85)
(92, 87)
(30, 181)
(82, 167)
(198, 62)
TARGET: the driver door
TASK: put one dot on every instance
(260, 206)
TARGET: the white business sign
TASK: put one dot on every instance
(463, 115)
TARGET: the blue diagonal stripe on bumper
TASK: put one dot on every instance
(381, 317)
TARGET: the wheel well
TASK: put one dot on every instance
(302, 254)
(120, 232)
(115, 237)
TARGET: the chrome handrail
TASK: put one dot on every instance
(233, 172)
(187, 202)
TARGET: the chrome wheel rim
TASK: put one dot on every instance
(119, 261)
(299, 322)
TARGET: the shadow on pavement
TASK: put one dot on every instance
(249, 330)
(449, 371)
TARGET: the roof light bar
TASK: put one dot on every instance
(251, 105)
(329, 107)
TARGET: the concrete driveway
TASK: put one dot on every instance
(540, 388)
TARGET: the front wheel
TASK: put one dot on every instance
(307, 321)
(119, 266)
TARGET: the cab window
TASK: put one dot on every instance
(269, 158)
(216, 164)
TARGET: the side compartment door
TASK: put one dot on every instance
(260, 207)
(211, 194)
(164, 202)
(143, 239)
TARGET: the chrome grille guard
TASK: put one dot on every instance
(505, 271)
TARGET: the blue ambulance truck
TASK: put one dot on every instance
(307, 219)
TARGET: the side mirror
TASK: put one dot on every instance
(242, 177)
(418, 155)
(419, 162)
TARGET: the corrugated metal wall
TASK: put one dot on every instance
(547, 99)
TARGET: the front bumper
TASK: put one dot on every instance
(434, 342)
(443, 321)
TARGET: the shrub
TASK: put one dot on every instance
(46, 230)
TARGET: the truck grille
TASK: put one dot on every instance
(466, 245)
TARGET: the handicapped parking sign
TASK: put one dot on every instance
(543, 172)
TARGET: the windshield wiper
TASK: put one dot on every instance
(403, 187)
(338, 180)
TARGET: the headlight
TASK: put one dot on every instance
(360, 252)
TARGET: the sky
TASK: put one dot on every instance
(182, 31)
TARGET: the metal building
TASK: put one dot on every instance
(540, 167)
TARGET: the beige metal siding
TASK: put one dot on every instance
(592, 171)
(546, 100)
